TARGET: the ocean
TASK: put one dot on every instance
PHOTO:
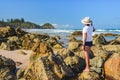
(65, 33)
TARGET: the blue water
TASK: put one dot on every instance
(64, 33)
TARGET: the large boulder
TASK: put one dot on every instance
(118, 38)
(7, 69)
(112, 67)
(115, 42)
(76, 63)
(45, 65)
(110, 34)
(64, 52)
(47, 26)
(81, 54)
(112, 48)
(5, 46)
(7, 31)
(77, 33)
(99, 40)
(73, 46)
(89, 76)
(100, 52)
(97, 64)
(57, 46)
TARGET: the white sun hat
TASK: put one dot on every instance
(86, 20)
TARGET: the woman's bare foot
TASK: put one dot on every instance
(87, 70)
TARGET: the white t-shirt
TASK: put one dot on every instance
(88, 30)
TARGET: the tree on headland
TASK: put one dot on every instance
(22, 20)
(18, 23)
(11, 20)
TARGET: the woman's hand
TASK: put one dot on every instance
(92, 26)
(83, 47)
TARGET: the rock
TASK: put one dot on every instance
(5, 46)
(118, 38)
(77, 33)
(115, 42)
(98, 70)
(52, 42)
(57, 46)
(64, 52)
(9, 46)
(36, 40)
(27, 43)
(47, 26)
(110, 34)
(73, 39)
(112, 67)
(73, 46)
(99, 40)
(97, 62)
(81, 54)
(76, 63)
(45, 65)
(7, 69)
(112, 48)
(100, 52)
(7, 31)
(13, 42)
(20, 32)
(89, 76)
(57, 37)
(20, 73)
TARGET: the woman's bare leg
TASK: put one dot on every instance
(87, 51)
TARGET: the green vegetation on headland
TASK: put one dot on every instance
(24, 24)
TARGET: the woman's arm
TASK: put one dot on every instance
(84, 40)
(92, 26)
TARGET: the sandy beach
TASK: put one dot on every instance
(21, 60)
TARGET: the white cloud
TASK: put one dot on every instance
(61, 26)
(67, 26)
(55, 25)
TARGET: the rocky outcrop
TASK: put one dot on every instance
(77, 33)
(112, 67)
(7, 69)
(63, 64)
(99, 40)
(76, 63)
(112, 48)
(12, 39)
(100, 52)
(73, 46)
(89, 76)
(47, 26)
(110, 34)
(45, 65)
(115, 42)
(7, 31)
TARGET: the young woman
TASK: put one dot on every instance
(87, 39)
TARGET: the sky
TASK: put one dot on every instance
(64, 14)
